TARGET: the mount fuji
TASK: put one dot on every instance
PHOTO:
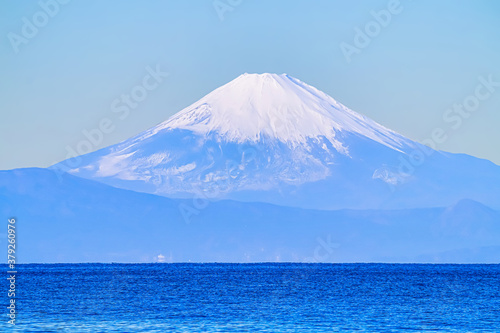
(274, 139)
(264, 168)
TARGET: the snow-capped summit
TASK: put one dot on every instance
(255, 106)
(273, 138)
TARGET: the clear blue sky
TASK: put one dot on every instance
(64, 78)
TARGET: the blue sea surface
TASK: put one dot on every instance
(282, 297)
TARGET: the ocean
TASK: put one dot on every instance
(265, 297)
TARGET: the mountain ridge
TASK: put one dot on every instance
(70, 219)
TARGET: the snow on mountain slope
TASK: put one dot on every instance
(278, 107)
(273, 138)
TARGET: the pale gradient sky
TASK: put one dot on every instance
(64, 79)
